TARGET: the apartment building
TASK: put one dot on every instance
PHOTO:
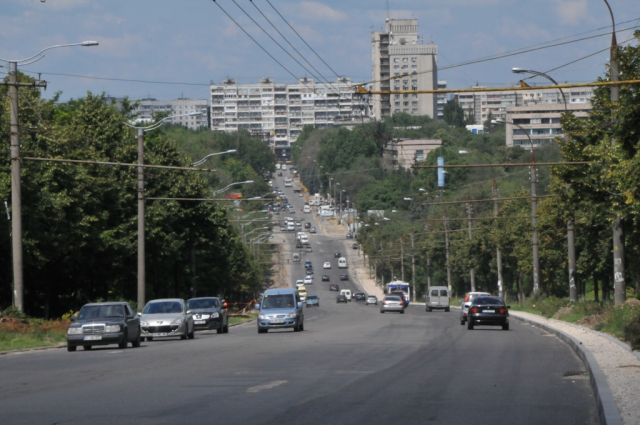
(148, 108)
(277, 112)
(398, 51)
(406, 153)
(441, 99)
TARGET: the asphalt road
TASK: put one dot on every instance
(351, 365)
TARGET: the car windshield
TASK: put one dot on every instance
(312, 297)
(100, 311)
(278, 301)
(163, 307)
(487, 301)
(203, 303)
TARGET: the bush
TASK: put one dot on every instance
(632, 331)
(14, 313)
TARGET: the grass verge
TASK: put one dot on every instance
(241, 318)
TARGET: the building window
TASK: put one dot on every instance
(405, 66)
(414, 81)
(414, 111)
(396, 104)
(396, 60)
(405, 81)
(395, 111)
(397, 96)
(414, 66)
(405, 59)
(415, 96)
(406, 111)
(396, 66)
(414, 103)
(419, 154)
(414, 60)
(405, 96)
(405, 103)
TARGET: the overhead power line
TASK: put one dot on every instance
(303, 40)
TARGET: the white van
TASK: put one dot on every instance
(278, 166)
(307, 209)
(291, 227)
(438, 298)
(284, 166)
(342, 263)
(346, 293)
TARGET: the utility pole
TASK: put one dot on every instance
(16, 197)
(534, 221)
(446, 244)
(401, 259)
(619, 286)
(498, 252)
(413, 266)
(141, 232)
(573, 293)
(472, 271)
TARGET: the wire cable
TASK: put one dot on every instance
(292, 46)
(303, 40)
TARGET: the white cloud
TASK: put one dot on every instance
(527, 31)
(319, 11)
(571, 12)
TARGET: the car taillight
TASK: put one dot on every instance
(473, 310)
(384, 303)
(502, 311)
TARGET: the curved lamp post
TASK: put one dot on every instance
(16, 197)
(542, 74)
(141, 231)
(203, 160)
(215, 192)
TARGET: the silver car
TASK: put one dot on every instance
(372, 299)
(166, 318)
(468, 299)
(392, 303)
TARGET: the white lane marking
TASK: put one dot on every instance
(266, 386)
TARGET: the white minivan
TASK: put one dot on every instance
(307, 209)
(346, 293)
(438, 298)
(342, 263)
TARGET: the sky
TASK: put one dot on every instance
(168, 49)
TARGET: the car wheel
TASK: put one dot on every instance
(461, 322)
(192, 334)
(184, 336)
(470, 325)
(226, 328)
(302, 326)
(71, 348)
(296, 328)
(505, 327)
(86, 347)
(136, 342)
(150, 338)
(381, 311)
(446, 309)
(220, 329)
(123, 343)
(401, 311)
(262, 331)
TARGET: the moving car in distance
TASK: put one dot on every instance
(468, 299)
(346, 293)
(359, 296)
(341, 298)
(392, 303)
(372, 299)
(103, 324)
(438, 298)
(307, 225)
(325, 278)
(337, 254)
(488, 311)
(280, 308)
(344, 277)
(299, 283)
(308, 280)
(326, 265)
(312, 230)
(166, 318)
(355, 246)
(398, 287)
(334, 287)
(312, 300)
(209, 313)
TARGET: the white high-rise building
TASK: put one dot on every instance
(398, 51)
(147, 108)
(277, 111)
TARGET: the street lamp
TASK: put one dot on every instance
(203, 160)
(16, 196)
(534, 204)
(141, 207)
(215, 192)
(542, 74)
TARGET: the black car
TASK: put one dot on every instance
(309, 272)
(344, 277)
(307, 225)
(298, 245)
(103, 324)
(209, 313)
(308, 265)
(325, 278)
(355, 245)
(341, 299)
(337, 254)
(280, 174)
(334, 287)
(359, 296)
(488, 311)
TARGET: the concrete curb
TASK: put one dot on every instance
(27, 350)
(606, 404)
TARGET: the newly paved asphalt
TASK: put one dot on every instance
(351, 365)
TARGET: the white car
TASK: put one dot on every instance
(308, 280)
(299, 283)
(326, 265)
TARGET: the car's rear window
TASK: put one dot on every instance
(487, 301)
(443, 292)
(279, 301)
(312, 297)
(392, 298)
(163, 307)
